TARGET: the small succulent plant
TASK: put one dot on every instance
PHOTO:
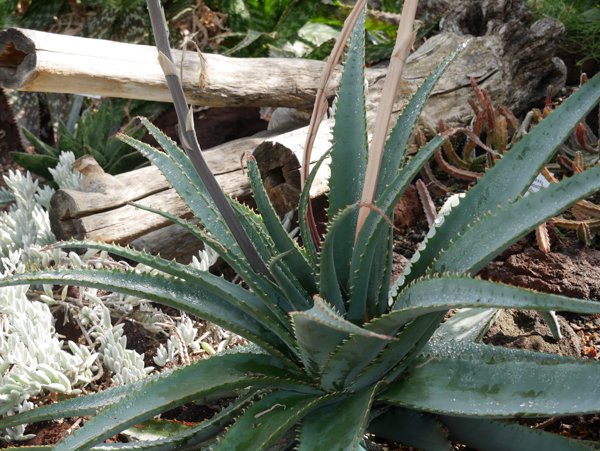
(336, 352)
(34, 361)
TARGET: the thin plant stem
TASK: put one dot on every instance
(404, 42)
(321, 105)
(189, 140)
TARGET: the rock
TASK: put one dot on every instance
(526, 330)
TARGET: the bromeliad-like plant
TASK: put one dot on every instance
(93, 135)
(337, 352)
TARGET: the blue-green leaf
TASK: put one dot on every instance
(350, 149)
(329, 284)
(358, 356)
(512, 175)
(411, 428)
(338, 426)
(219, 374)
(73, 407)
(494, 435)
(368, 245)
(441, 294)
(184, 179)
(486, 238)
(320, 330)
(268, 419)
(284, 244)
(459, 378)
(272, 298)
(303, 206)
(206, 301)
(397, 143)
(191, 438)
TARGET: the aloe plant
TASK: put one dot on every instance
(335, 352)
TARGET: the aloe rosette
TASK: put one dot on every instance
(337, 349)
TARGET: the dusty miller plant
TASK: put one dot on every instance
(337, 352)
(33, 359)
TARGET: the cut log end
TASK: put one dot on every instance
(17, 58)
(280, 171)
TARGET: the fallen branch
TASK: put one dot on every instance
(46, 62)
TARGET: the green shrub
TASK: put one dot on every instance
(582, 24)
(336, 352)
(93, 135)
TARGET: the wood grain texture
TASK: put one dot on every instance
(100, 209)
(33, 60)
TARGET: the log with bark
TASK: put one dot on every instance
(506, 41)
(102, 207)
(33, 60)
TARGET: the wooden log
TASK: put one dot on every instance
(511, 55)
(100, 209)
(46, 62)
(489, 58)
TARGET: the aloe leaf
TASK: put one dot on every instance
(350, 148)
(411, 428)
(329, 283)
(469, 324)
(36, 163)
(73, 407)
(320, 330)
(358, 355)
(438, 295)
(377, 290)
(243, 299)
(303, 205)
(397, 142)
(190, 142)
(270, 295)
(184, 295)
(170, 267)
(384, 285)
(256, 230)
(268, 419)
(212, 376)
(512, 175)
(41, 146)
(187, 186)
(368, 242)
(298, 298)
(494, 435)
(338, 426)
(183, 177)
(397, 356)
(441, 294)
(284, 244)
(480, 380)
(512, 221)
(190, 439)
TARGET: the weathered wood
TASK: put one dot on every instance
(100, 209)
(525, 50)
(490, 58)
(45, 62)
